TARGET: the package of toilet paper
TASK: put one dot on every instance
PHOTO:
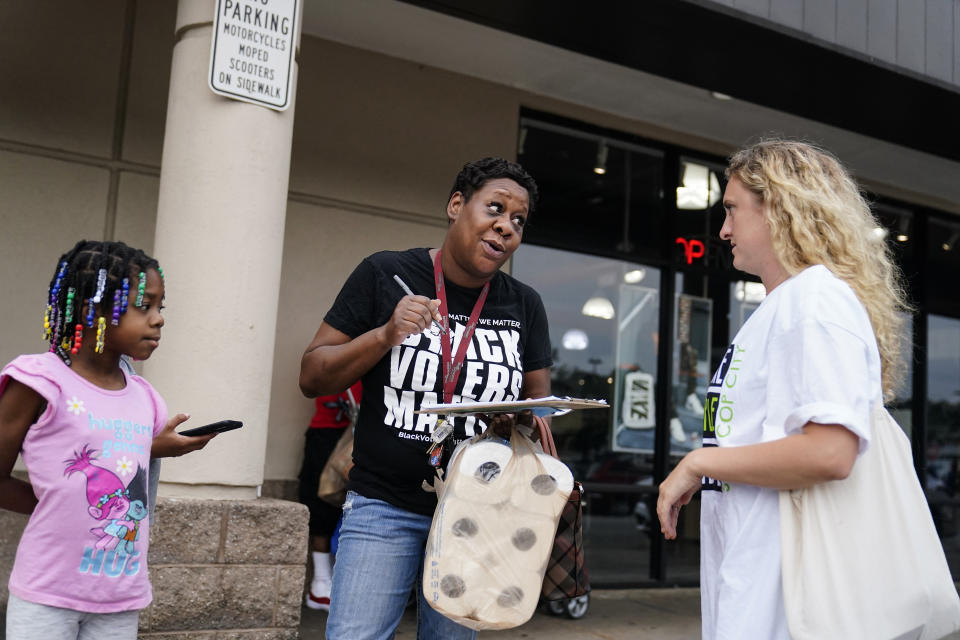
(493, 531)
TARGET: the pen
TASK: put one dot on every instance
(406, 290)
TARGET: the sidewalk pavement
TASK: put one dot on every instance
(621, 614)
(614, 614)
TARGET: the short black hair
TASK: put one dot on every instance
(76, 282)
(475, 174)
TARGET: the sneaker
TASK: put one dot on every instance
(314, 599)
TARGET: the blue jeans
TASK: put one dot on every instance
(379, 561)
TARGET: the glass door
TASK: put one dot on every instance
(943, 432)
(603, 316)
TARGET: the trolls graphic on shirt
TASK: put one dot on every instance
(120, 508)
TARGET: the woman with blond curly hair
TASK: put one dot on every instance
(790, 404)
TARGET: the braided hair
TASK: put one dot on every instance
(89, 275)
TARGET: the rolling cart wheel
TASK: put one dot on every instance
(576, 608)
(557, 607)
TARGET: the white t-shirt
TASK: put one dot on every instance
(808, 353)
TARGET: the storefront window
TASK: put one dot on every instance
(623, 219)
(745, 297)
(693, 322)
(608, 190)
(697, 344)
(899, 229)
(699, 216)
(942, 267)
(901, 406)
(605, 349)
(943, 432)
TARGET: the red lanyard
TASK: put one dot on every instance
(451, 367)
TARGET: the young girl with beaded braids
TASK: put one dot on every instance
(86, 428)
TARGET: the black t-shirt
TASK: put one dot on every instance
(390, 445)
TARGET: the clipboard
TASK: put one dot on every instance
(543, 407)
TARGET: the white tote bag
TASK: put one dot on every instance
(861, 557)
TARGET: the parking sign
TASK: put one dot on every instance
(251, 53)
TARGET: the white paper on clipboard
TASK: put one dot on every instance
(543, 407)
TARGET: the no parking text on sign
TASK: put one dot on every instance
(251, 53)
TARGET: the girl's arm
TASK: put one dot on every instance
(823, 452)
(20, 406)
(333, 361)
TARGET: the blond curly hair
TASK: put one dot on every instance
(818, 215)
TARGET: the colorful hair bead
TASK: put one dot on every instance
(116, 308)
(101, 334)
(125, 295)
(56, 322)
(50, 313)
(90, 309)
(55, 289)
(46, 323)
(160, 271)
(141, 287)
(69, 311)
(77, 339)
(101, 285)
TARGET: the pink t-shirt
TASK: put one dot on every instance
(88, 455)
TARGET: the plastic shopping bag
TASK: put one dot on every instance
(493, 532)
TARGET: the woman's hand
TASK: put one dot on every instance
(168, 443)
(503, 424)
(413, 314)
(676, 491)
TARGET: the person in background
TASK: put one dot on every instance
(333, 414)
(790, 404)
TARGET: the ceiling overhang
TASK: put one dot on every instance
(659, 62)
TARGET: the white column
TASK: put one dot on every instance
(219, 239)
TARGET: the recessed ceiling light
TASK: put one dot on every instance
(598, 307)
(600, 166)
(575, 340)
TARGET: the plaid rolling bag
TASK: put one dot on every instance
(566, 575)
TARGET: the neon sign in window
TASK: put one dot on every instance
(692, 249)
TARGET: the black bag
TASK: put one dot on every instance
(566, 575)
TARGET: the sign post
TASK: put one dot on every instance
(251, 53)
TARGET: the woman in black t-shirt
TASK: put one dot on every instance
(468, 331)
